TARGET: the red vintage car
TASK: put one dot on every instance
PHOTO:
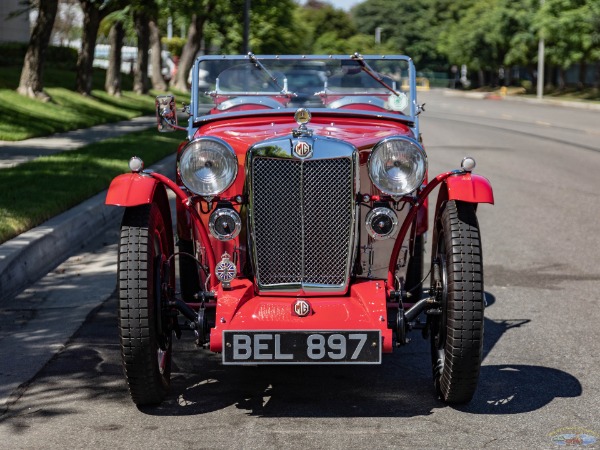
(302, 215)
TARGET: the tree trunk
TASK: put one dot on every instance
(192, 46)
(140, 77)
(91, 23)
(113, 73)
(158, 82)
(32, 74)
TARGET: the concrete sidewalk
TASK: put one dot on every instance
(74, 256)
(54, 275)
(31, 255)
(476, 95)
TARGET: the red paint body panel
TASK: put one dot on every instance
(239, 309)
(470, 188)
(131, 189)
(361, 132)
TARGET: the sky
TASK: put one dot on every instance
(342, 4)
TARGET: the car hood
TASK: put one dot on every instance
(363, 133)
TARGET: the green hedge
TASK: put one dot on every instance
(13, 53)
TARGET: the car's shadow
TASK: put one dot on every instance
(89, 368)
(400, 387)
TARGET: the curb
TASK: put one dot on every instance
(25, 258)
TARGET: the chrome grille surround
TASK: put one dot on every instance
(302, 215)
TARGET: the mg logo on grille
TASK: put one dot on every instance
(301, 308)
(302, 149)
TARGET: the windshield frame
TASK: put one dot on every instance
(411, 117)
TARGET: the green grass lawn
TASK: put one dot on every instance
(24, 118)
(33, 192)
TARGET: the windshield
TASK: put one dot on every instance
(226, 84)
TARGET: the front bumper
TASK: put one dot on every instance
(239, 309)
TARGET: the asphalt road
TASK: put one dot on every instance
(539, 378)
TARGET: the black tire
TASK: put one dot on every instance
(189, 277)
(457, 333)
(144, 323)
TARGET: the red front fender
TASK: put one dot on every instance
(469, 188)
(131, 189)
(456, 185)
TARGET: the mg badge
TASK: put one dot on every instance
(225, 271)
(302, 149)
(301, 307)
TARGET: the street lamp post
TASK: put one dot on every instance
(540, 67)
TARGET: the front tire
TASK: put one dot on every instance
(144, 323)
(457, 277)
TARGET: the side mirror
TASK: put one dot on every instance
(166, 113)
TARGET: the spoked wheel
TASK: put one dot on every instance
(144, 323)
(457, 278)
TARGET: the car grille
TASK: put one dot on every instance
(303, 222)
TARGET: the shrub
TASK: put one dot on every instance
(174, 45)
(527, 85)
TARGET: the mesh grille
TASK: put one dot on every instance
(302, 220)
(327, 220)
(278, 220)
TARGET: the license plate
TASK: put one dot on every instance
(302, 347)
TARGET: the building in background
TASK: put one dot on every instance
(13, 29)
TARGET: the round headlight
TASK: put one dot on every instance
(397, 165)
(208, 166)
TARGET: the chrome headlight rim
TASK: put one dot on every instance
(420, 178)
(228, 153)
